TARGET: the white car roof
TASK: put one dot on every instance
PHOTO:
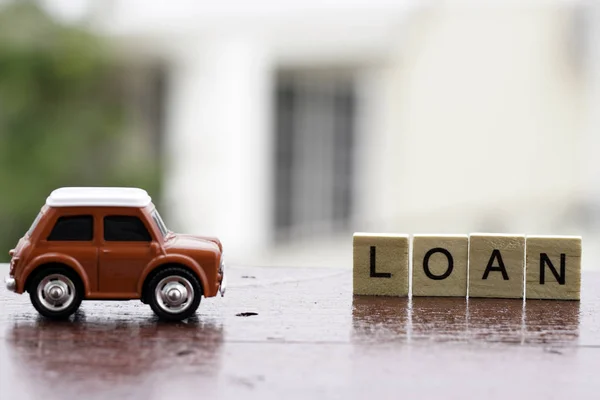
(98, 196)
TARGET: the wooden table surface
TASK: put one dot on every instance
(310, 339)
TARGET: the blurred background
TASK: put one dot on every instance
(285, 126)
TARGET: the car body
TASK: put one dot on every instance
(114, 242)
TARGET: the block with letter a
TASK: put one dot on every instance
(553, 267)
(496, 265)
(380, 264)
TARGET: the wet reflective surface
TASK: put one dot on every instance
(299, 333)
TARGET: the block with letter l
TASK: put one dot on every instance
(553, 267)
(380, 264)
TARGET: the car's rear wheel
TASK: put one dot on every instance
(56, 292)
(174, 294)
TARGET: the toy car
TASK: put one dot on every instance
(111, 244)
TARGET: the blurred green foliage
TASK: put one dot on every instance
(61, 117)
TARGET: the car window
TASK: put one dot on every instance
(159, 222)
(122, 228)
(73, 228)
(35, 223)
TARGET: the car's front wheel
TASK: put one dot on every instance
(174, 294)
(56, 292)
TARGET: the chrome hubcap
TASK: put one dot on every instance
(174, 294)
(56, 292)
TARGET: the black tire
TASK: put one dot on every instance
(175, 276)
(70, 280)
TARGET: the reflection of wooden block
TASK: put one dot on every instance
(553, 267)
(496, 265)
(440, 265)
(381, 264)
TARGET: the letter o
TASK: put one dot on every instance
(426, 264)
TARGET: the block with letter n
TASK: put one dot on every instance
(380, 264)
(553, 267)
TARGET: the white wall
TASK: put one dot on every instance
(472, 116)
(487, 115)
(218, 159)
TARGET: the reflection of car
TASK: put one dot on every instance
(111, 244)
(137, 348)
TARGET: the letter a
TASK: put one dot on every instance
(500, 267)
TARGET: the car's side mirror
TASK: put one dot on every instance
(155, 248)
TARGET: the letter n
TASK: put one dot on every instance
(560, 278)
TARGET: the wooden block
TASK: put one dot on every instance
(553, 267)
(440, 265)
(496, 265)
(380, 264)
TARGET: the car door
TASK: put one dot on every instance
(72, 234)
(126, 248)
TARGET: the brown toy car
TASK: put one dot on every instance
(111, 244)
